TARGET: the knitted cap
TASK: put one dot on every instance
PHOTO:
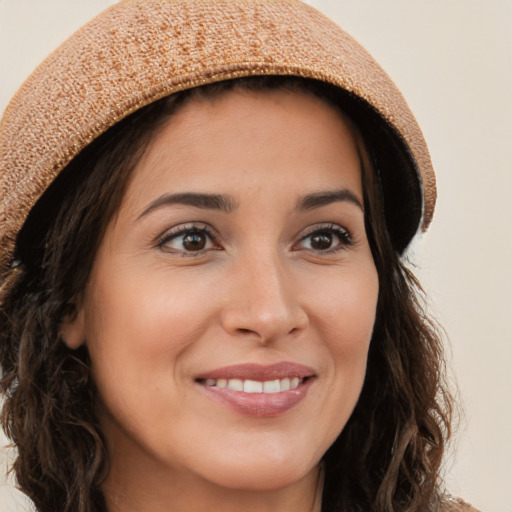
(139, 51)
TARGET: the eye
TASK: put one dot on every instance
(326, 239)
(188, 240)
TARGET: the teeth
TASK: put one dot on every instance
(236, 384)
(271, 386)
(255, 386)
(285, 384)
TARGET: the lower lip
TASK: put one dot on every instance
(262, 405)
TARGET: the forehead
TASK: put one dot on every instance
(240, 140)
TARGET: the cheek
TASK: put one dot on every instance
(342, 311)
(345, 307)
(345, 313)
(139, 330)
(150, 314)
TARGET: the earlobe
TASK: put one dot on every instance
(72, 329)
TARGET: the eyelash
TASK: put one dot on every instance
(342, 234)
(181, 231)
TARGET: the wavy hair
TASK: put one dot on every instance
(386, 459)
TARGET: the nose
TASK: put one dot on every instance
(262, 301)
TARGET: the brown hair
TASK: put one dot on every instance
(386, 459)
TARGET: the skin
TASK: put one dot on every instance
(262, 289)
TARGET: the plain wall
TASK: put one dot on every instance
(452, 59)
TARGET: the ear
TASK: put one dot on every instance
(72, 329)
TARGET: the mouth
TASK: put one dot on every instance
(255, 386)
(257, 390)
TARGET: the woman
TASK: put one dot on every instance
(203, 303)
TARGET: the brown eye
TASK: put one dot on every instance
(194, 241)
(326, 239)
(188, 240)
(321, 241)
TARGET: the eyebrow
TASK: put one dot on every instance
(220, 202)
(323, 198)
(227, 203)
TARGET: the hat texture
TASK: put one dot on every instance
(139, 51)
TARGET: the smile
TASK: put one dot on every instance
(254, 386)
(258, 390)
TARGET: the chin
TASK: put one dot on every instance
(260, 479)
(268, 469)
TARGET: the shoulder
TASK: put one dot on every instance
(456, 505)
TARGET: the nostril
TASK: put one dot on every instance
(246, 331)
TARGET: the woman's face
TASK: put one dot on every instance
(231, 304)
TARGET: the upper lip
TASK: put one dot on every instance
(259, 372)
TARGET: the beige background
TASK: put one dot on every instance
(453, 61)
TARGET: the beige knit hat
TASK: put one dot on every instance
(139, 51)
